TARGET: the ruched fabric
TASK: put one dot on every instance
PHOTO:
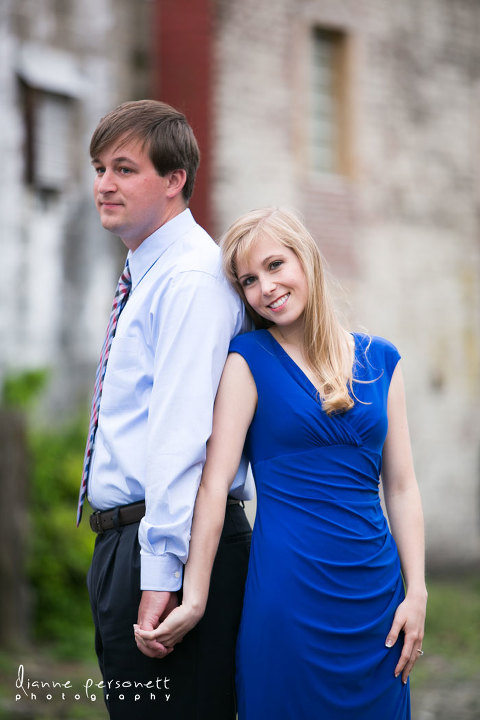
(324, 576)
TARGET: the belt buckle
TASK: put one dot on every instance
(95, 522)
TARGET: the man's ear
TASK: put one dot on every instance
(175, 182)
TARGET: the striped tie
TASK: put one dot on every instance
(119, 301)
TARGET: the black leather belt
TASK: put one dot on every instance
(103, 520)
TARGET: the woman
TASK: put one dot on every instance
(327, 630)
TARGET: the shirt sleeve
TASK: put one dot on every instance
(191, 328)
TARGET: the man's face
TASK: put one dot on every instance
(130, 196)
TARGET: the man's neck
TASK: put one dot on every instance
(172, 212)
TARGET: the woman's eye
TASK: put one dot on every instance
(275, 264)
(248, 281)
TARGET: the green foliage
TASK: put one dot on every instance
(59, 552)
(452, 631)
(453, 618)
(453, 621)
(21, 389)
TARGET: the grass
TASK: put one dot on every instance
(452, 633)
(70, 700)
(446, 680)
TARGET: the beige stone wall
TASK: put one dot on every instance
(419, 247)
(400, 226)
(254, 154)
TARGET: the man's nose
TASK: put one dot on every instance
(106, 182)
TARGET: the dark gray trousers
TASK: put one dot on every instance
(197, 680)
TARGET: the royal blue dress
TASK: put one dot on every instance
(324, 577)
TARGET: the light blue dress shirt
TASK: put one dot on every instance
(162, 375)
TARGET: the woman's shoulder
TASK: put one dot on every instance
(375, 342)
(249, 341)
(379, 351)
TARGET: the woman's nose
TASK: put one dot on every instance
(268, 285)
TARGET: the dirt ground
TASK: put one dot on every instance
(458, 701)
(445, 690)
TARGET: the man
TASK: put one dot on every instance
(147, 442)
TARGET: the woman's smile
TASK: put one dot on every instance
(280, 303)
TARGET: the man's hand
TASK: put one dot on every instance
(172, 631)
(154, 608)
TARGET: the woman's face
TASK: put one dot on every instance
(274, 283)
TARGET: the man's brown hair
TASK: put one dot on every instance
(161, 129)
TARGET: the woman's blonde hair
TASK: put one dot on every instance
(325, 344)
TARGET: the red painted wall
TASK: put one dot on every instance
(182, 77)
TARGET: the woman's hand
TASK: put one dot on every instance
(174, 628)
(409, 617)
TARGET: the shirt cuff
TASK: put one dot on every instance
(162, 573)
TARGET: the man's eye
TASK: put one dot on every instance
(125, 170)
(99, 170)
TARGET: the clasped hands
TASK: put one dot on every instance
(162, 622)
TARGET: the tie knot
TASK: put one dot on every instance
(124, 283)
(126, 277)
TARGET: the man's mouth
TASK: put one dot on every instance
(109, 204)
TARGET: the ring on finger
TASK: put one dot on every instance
(420, 652)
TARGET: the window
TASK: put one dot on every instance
(53, 146)
(329, 141)
(49, 120)
(51, 82)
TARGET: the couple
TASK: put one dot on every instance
(326, 629)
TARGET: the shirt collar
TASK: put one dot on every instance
(147, 254)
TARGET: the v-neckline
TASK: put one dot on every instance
(290, 364)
